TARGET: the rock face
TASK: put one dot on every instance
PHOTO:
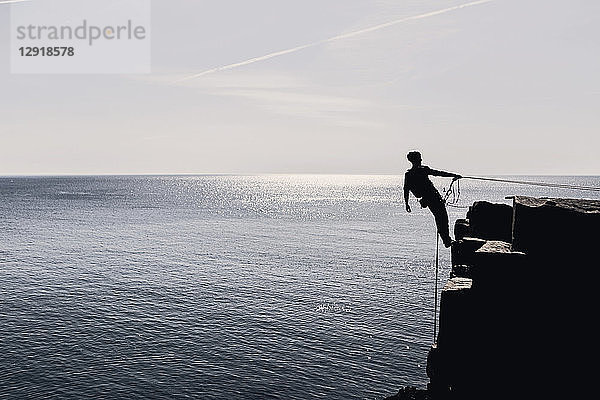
(566, 226)
(490, 221)
(410, 393)
(515, 318)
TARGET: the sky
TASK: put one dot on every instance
(501, 87)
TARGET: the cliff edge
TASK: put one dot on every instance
(517, 315)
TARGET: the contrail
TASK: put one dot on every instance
(13, 1)
(332, 39)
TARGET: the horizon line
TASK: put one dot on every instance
(149, 174)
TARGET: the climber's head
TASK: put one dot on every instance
(414, 157)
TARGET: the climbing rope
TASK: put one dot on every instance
(435, 307)
(452, 194)
(532, 183)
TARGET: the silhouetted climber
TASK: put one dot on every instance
(416, 180)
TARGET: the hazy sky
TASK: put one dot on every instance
(506, 87)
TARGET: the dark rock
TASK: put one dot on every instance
(492, 261)
(463, 249)
(555, 230)
(484, 261)
(560, 237)
(455, 312)
(410, 393)
(517, 314)
(491, 221)
(462, 228)
(461, 271)
(453, 358)
(436, 368)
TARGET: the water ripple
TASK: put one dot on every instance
(215, 287)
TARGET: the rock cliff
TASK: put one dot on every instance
(517, 315)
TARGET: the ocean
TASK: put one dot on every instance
(221, 286)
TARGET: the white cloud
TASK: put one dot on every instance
(283, 94)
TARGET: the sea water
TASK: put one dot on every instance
(211, 287)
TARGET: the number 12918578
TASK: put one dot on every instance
(47, 51)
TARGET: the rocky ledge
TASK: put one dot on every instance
(517, 315)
